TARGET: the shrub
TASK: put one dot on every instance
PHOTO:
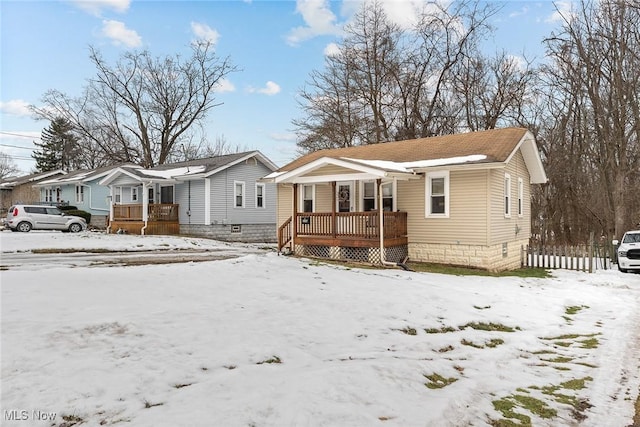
(84, 214)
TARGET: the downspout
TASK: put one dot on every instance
(383, 261)
(145, 207)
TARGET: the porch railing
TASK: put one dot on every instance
(157, 212)
(362, 225)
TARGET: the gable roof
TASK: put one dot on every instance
(191, 169)
(26, 179)
(81, 176)
(495, 146)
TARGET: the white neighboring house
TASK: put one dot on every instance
(218, 197)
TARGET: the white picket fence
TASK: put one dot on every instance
(586, 257)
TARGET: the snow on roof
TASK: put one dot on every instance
(410, 166)
(172, 173)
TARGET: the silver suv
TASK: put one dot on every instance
(629, 251)
(39, 217)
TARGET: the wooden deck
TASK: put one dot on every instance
(162, 219)
(344, 229)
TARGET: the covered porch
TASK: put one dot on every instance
(348, 217)
(157, 218)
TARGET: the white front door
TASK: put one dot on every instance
(345, 197)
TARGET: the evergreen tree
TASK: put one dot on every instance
(58, 148)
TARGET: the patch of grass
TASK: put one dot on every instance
(535, 406)
(230, 367)
(446, 349)
(544, 352)
(481, 308)
(574, 309)
(505, 407)
(471, 344)
(482, 326)
(559, 359)
(71, 420)
(577, 384)
(588, 365)
(589, 343)
(569, 336)
(409, 331)
(494, 342)
(442, 330)
(469, 271)
(437, 381)
(563, 343)
(272, 359)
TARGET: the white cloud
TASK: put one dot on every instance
(15, 107)
(332, 49)
(520, 12)
(95, 7)
(271, 88)
(223, 86)
(319, 20)
(120, 34)
(204, 32)
(564, 11)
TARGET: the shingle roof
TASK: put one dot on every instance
(210, 163)
(496, 144)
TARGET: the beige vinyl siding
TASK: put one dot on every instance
(467, 221)
(285, 203)
(503, 229)
(324, 196)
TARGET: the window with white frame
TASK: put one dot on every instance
(79, 194)
(520, 197)
(117, 197)
(507, 195)
(308, 196)
(48, 194)
(437, 197)
(260, 194)
(369, 196)
(238, 194)
(134, 194)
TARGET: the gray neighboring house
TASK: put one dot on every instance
(217, 197)
(81, 189)
(21, 189)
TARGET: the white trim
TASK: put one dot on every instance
(352, 201)
(264, 195)
(79, 193)
(506, 204)
(235, 194)
(207, 201)
(265, 161)
(520, 197)
(427, 205)
(136, 193)
(394, 192)
(301, 197)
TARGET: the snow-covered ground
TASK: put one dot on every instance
(268, 340)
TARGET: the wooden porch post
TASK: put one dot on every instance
(381, 219)
(333, 209)
(294, 217)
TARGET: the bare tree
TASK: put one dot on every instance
(140, 109)
(593, 76)
(8, 167)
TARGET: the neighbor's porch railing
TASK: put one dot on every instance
(157, 212)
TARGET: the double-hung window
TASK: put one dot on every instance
(520, 197)
(370, 196)
(48, 194)
(507, 195)
(308, 194)
(238, 194)
(260, 193)
(134, 194)
(79, 194)
(437, 194)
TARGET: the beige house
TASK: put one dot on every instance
(456, 199)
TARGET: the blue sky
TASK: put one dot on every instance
(276, 44)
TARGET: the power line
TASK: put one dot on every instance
(19, 135)
(15, 146)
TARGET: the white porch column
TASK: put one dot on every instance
(207, 201)
(145, 202)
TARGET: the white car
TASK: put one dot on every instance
(39, 217)
(629, 251)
